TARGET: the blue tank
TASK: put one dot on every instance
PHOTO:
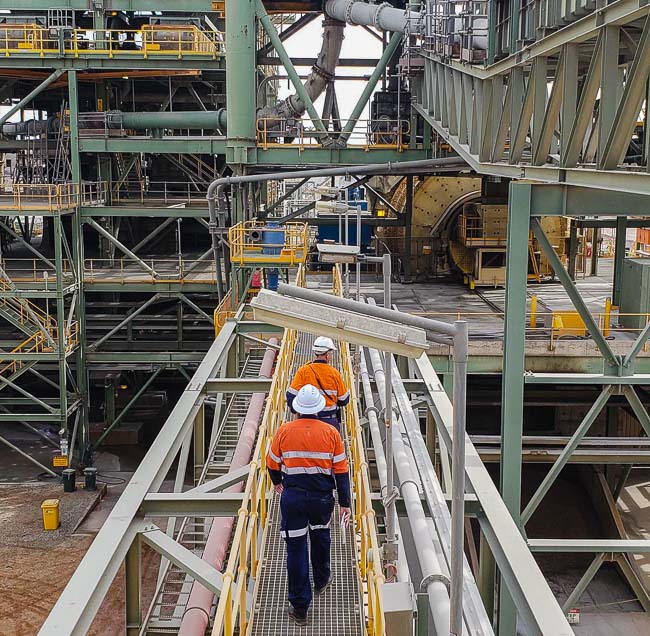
(270, 239)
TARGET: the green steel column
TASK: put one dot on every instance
(83, 433)
(492, 32)
(241, 82)
(512, 392)
(60, 320)
(619, 255)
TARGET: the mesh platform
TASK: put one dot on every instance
(339, 611)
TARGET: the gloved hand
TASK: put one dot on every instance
(346, 513)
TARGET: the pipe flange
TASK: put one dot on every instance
(348, 12)
(377, 17)
(321, 72)
(435, 578)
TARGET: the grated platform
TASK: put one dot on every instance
(339, 611)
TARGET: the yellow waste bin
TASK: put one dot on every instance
(50, 509)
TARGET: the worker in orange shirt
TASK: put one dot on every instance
(306, 461)
(321, 374)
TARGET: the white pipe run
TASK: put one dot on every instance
(382, 16)
(197, 614)
(432, 571)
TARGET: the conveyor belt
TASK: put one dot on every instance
(340, 610)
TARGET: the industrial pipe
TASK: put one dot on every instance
(197, 613)
(434, 577)
(216, 188)
(209, 120)
(382, 16)
(321, 74)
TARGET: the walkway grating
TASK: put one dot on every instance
(340, 610)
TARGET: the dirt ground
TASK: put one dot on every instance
(36, 565)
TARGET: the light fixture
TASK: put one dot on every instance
(328, 253)
(339, 324)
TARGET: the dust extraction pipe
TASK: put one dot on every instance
(197, 614)
(381, 16)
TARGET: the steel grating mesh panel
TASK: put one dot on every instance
(339, 611)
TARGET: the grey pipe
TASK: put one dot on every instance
(321, 74)
(381, 16)
(369, 310)
(433, 575)
(216, 188)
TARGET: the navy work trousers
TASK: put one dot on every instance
(305, 513)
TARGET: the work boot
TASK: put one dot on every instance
(321, 590)
(299, 618)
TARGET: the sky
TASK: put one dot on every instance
(357, 43)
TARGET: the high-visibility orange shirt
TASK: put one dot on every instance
(327, 380)
(309, 454)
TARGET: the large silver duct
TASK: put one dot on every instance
(382, 16)
(322, 72)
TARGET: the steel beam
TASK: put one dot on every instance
(30, 96)
(182, 558)
(587, 577)
(191, 504)
(611, 546)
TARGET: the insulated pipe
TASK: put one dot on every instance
(209, 120)
(321, 74)
(381, 16)
(380, 458)
(434, 577)
(216, 188)
(197, 613)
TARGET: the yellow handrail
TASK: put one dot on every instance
(251, 242)
(232, 610)
(368, 545)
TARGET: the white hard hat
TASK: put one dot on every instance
(322, 344)
(308, 401)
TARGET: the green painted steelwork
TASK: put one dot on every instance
(241, 79)
(512, 394)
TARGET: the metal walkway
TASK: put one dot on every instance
(340, 609)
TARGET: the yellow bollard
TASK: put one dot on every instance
(533, 312)
(50, 508)
(608, 317)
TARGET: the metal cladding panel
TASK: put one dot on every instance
(635, 292)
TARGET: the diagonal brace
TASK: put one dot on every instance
(638, 408)
(573, 293)
(637, 346)
(108, 236)
(564, 457)
(587, 578)
(272, 32)
(181, 557)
